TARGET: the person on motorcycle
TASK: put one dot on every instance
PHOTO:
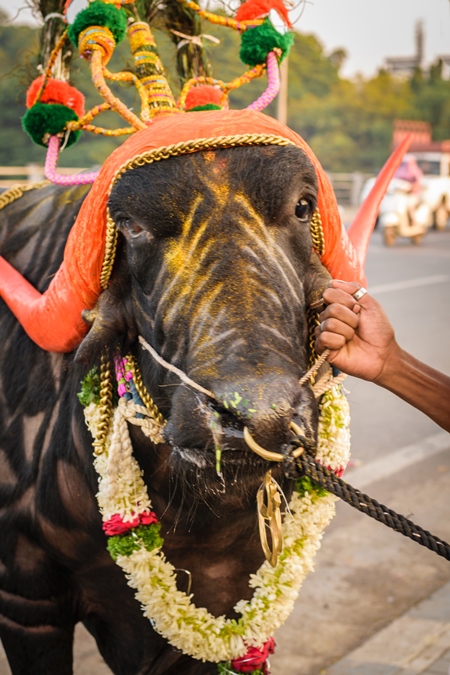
(410, 171)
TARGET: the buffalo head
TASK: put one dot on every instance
(215, 269)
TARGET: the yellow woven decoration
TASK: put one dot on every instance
(96, 44)
(48, 71)
(257, 71)
(96, 39)
(101, 131)
(193, 82)
(222, 20)
(150, 70)
(130, 77)
(246, 77)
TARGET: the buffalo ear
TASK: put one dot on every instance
(111, 329)
(317, 279)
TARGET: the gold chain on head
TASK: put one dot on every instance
(110, 250)
(17, 191)
(317, 237)
(166, 152)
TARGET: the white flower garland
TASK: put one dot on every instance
(193, 629)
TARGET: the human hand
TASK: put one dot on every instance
(358, 333)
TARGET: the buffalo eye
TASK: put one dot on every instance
(303, 209)
(132, 228)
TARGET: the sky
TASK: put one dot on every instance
(368, 30)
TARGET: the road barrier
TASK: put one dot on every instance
(347, 186)
(32, 173)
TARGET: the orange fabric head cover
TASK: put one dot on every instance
(53, 319)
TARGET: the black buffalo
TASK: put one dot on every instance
(215, 269)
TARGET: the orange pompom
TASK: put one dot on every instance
(203, 94)
(256, 9)
(56, 91)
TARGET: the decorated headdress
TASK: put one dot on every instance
(165, 127)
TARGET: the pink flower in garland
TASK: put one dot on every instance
(339, 471)
(255, 658)
(147, 518)
(115, 525)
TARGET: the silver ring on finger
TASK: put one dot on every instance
(357, 295)
(321, 327)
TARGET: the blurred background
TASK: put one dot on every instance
(360, 75)
(355, 67)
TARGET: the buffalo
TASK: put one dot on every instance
(215, 267)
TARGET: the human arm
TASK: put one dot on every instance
(363, 344)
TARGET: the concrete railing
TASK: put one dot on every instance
(347, 186)
(32, 173)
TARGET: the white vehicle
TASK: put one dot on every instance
(436, 184)
(433, 207)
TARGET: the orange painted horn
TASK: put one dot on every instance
(362, 226)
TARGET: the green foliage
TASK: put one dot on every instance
(257, 42)
(432, 96)
(125, 544)
(99, 14)
(49, 118)
(90, 388)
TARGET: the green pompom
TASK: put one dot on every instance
(207, 106)
(100, 14)
(257, 42)
(49, 118)
(125, 544)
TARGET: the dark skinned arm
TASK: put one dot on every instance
(363, 344)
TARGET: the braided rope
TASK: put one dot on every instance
(149, 426)
(325, 384)
(48, 71)
(273, 84)
(306, 465)
(98, 78)
(222, 20)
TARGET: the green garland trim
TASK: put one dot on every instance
(125, 544)
(225, 668)
(257, 42)
(100, 14)
(305, 485)
(90, 388)
(49, 118)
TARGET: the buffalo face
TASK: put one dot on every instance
(215, 270)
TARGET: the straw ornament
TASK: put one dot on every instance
(55, 107)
